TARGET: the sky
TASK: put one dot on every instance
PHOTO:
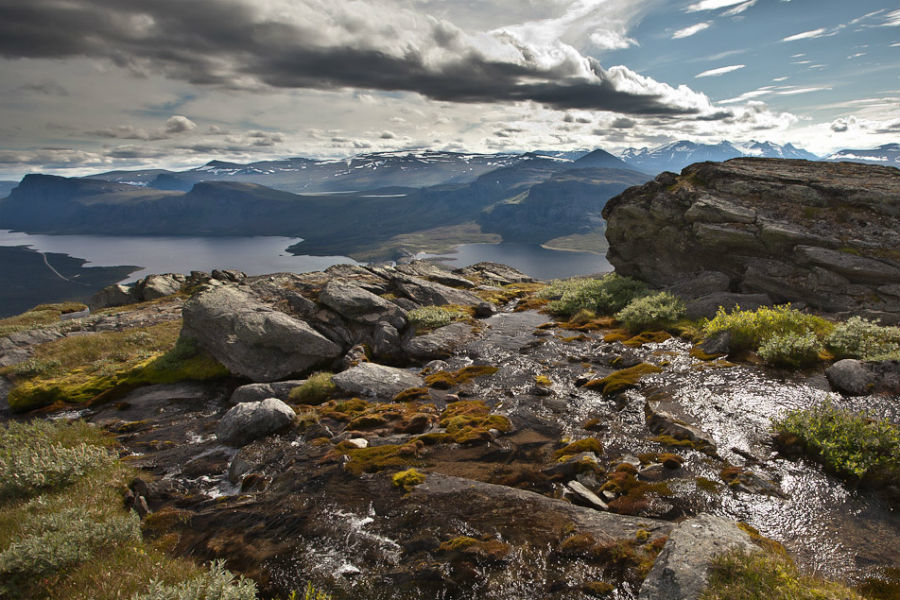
(95, 85)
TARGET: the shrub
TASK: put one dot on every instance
(749, 576)
(860, 338)
(215, 584)
(315, 390)
(658, 311)
(432, 317)
(62, 541)
(791, 350)
(749, 329)
(605, 296)
(34, 367)
(850, 444)
(32, 461)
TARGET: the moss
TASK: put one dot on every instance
(597, 589)
(668, 459)
(616, 335)
(586, 445)
(698, 353)
(575, 338)
(543, 380)
(444, 380)
(647, 337)
(317, 388)
(487, 550)
(622, 380)
(707, 485)
(592, 424)
(768, 544)
(376, 458)
(668, 440)
(415, 393)
(367, 422)
(470, 421)
(164, 521)
(408, 479)
(631, 558)
(578, 545)
(513, 291)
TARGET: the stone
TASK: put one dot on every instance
(424, 269)
(374, 380)
(483, 310)
(661, 422)
(860, 378)
(586, 496)
(824, 234)
(152, 287)
(697, 285)
(386, 341)
(681, 570)
(439, 343)
(113, 295)
(495, 273)
(252, 392)
(248, 421)
(429, 293)
(252, 339)
(355, 356)
(355, 303)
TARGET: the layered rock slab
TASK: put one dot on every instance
(826, 234)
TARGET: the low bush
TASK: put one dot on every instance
(215, 584)
(605, 296)
(61, 541)
(750, 576)
(791, 350)
(860, 338)
(658, 311)
(432, 317)
(315, 390)
(33, 460)
(851, 444)
(751, 329)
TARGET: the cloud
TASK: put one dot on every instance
(383, 45)
(738, 9)
(845, 124)
(622, 123)
(712, 5)
(719, 71)
(179, 124)
(611, 40)
(840, 125)
(45, 88)
(387, 135)
(689, 31)
(813, 33)
(794, 90)
(892, 19)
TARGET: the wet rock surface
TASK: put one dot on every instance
(825, 234)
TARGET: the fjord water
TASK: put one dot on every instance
(268, 254)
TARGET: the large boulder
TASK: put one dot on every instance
(440, 343)
(158, 286)
(356, 304)
(114, 295)
(248, 421)
(681, 570)
(251, 338)
(860, 378)
(825, 234)
(374, 380)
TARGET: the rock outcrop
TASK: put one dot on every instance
(825, 234)
(859, 378)
(248, 421)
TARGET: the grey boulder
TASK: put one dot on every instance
(859, 378)
(374, 380)
(440, 343)
(248, 421)
(252, 339)
(681, 570)
(354, 303)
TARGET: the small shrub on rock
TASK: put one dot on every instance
(658, 311)
(867, 340)
(605, 296)
(431, 317)
(315, 390)
(791, 350)
(216, 584)
(749, 329)
(851, 444)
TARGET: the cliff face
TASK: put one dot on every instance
(827, 234)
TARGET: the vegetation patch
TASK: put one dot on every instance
(863, 339)
(376, 458)
(487, 550)
(39, 316)
(605, 296)
(586, 445)
(444, 380)
(528, 293)
(317, 388)
(657, 311)
(408, 479)
(101, 366)
(738, 575)
(791, 350)
(427, 318)
(622, 380)
(647, 337)
(850, 444)
(471, 421)
(628, 558)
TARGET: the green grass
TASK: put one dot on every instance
(91, 368)
(315, 390)
(850, 444)
(605, 296)
(765, 576)
(427, 318)
(658, 311)
(39, 316)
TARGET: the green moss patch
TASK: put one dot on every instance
(444, 380)
(470, 422)
(623, 379)
(586, 445)
(317, 388)
(408, 479)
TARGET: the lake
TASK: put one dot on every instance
(259, 255)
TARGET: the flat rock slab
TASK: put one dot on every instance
(681, 570)
(440, 343)
(373, 380)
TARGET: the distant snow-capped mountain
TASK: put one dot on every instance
(678, 155)
(888, 154)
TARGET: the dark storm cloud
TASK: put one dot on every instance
(218, 42)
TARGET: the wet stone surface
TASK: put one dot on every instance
(495, 517)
